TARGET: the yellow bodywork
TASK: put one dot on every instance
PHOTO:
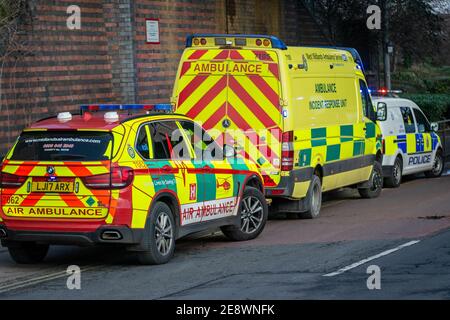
(201, 195)
(256, 93)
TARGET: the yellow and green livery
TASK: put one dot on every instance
(111, 176)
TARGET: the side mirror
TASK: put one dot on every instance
(229, 151)
(435, 127)
(381, 111)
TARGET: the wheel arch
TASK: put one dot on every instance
(255, 182)
(318, 171)
(379, 156)
(169, 198)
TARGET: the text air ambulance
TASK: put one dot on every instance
(137, 180)
(303, 115)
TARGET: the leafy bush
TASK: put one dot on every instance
(438, 85)
(435, 106)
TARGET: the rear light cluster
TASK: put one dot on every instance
(287, 151)
(8, 180)
(120, 177)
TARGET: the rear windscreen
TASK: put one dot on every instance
(63, 146)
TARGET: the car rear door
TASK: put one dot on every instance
(411, 139)
(173, 171)
(424, 146)
(220, 187)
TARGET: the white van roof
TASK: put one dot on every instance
(395, 102)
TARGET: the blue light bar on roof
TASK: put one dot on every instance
(163, 107)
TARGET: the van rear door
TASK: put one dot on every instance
(237, 93)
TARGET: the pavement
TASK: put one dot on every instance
(405, 233)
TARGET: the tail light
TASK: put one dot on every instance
(120, 177)
(383, 146)
(8, 180)
(287, 151)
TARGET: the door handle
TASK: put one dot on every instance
(207, 169)
(168, 169)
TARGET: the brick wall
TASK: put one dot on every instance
(59, 70)
(109, 61)
(156, 64)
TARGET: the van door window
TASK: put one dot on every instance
(408, 120)
(366, 101)
(168, 142)
(422, 123)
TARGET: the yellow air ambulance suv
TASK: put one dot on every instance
(304, 115)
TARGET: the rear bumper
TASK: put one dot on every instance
(127, 236)
(285, 188)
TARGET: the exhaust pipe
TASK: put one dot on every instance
(3, 233)
(111, 235)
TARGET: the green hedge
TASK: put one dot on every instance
(435, 106)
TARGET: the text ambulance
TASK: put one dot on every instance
(303, 115)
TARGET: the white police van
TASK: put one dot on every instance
(410, 142)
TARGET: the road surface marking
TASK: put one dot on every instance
(41, 279)
(382, 254)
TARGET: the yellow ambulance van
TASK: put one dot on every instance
(303, 114)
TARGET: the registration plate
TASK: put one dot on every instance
(44, 186)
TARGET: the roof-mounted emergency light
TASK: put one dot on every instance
(64, 116)
(238, 40)
(130, 107)
(384, 92)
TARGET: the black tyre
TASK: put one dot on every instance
(254, 212)
(28, 252)
(313, 200)
(395, 179)
(159, 236)
(438, 166)
(375, 183)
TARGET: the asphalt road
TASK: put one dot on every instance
(406, 233)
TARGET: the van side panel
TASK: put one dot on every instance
(330, 131)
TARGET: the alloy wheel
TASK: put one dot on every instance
(164, 234)
(251, 214)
